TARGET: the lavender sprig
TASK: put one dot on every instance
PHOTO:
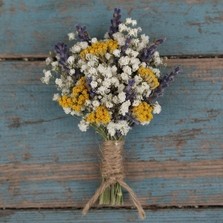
(62, 50)
(147, 53)
(125, 47)
(130, 94)
(82, 33)
(164, 83)
(115, 21)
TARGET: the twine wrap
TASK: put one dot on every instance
(112, 170)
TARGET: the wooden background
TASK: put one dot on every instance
(48, 168)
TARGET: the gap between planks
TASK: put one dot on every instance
(42, 57)
(145, 207)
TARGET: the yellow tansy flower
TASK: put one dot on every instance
(100, 48)
(99, 116)
(143, 112)
(148, 75)
(78, 97)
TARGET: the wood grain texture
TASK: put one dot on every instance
(47, 162)
(114, 215)
(31, 28)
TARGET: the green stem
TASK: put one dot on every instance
(112, 195)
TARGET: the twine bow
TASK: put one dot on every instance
(112, 170)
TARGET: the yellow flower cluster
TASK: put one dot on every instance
(100, 48)
(143, 112)
(77, 98)
(99, 116)
(148, 75)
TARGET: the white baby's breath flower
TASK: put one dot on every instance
(92, 71)
(111, 129)
(137, 79)
(135, 42)
(115, 99)
(56, 97)
(117, 53)
(136, 102)
(108, 104)
(121, 126)
(106, 36)
(71, 36)
(145, 38)
(83, 125)
(115, 81)
(134, 53)
(114, 69)
(121, 97)
(72, 72)
(101, 90)
(124, 76)
(120, 38)
(99, 80)
(128, 21)
(83, 45)
(124, 60)
(127, 70)
(94, 84)
(75, 49)
(133, 32)
(121, 87)
(95, 103)
(54, 64)
(135, 67)
(67, 110)
(124, 108)
(143, 64)
(122, 27)
(70, 60)
(83, 67)
(106, 83)
(107, 56)
(47, 76)
(134, 22)
(157, 59)
(156, 108)
(94, 40)
(156, 71)
(58, 82)
(48, 60)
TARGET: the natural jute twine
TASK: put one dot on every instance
(112, 170)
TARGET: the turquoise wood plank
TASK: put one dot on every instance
(35, 129)
(47, 162)
(109, 216)
(31, 28)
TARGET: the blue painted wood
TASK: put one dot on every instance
(110, 216)
(31, 27)
(47, 162)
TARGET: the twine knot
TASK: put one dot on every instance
(112, 171)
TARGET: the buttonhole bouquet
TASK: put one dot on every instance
(112, 84)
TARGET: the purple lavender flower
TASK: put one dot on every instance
(62, 50)
(91, 91)
(127, 43)
(130, 94)
(164, 82)
(147, 53)
(82, 33)
(116, 20)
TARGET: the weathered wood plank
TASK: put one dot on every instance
(30, 27)
(114, 215)
(47, 162)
